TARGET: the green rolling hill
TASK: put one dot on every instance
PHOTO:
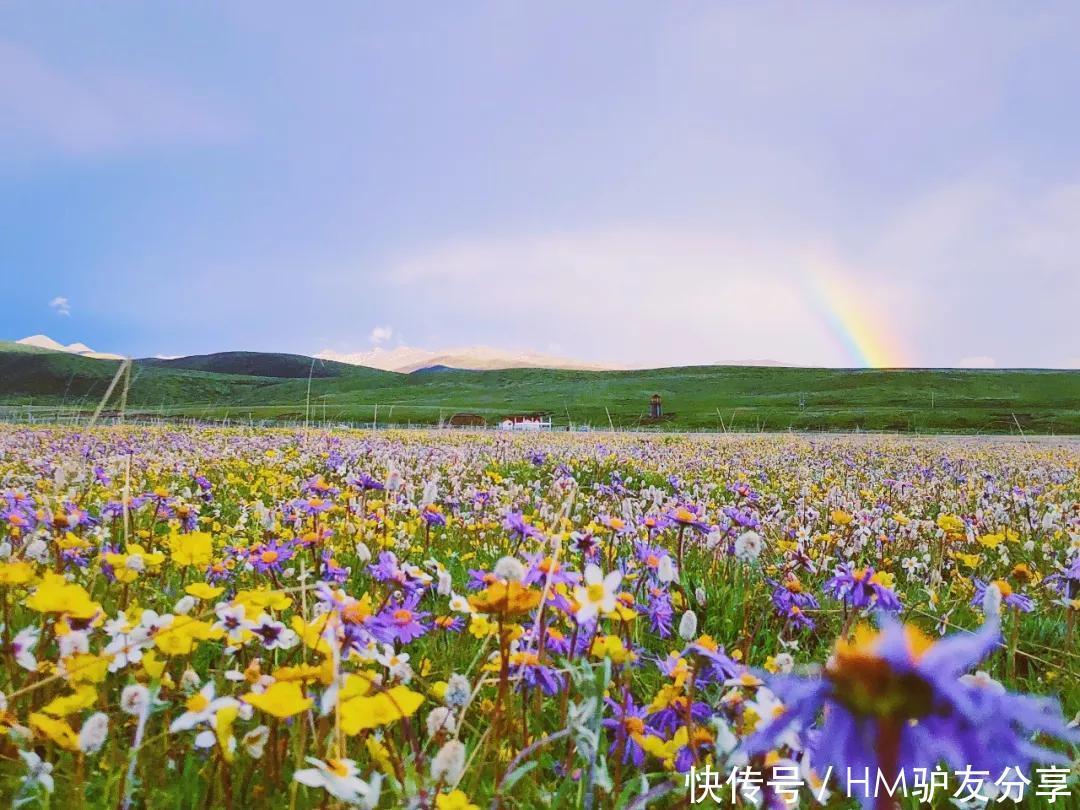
(263, 386)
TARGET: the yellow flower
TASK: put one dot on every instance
(307, 673)
(82, 698)
(950, 524)
(281, 699)
(56, 595)
(357, 684)
(16, 572)
(120, 570)
(481, 626)
(85, 668)
(365, 712)
(991, 540)
(179, 637)
(840, 517)
(311, 634)
(885, 579)
(380, 755)
(505, 599)
(262, 599)
(194, 548)
(223, 723)
(204, 590)
(612, 647)
(457, 800)
(56, 730)
(153, 665)
(970, 560)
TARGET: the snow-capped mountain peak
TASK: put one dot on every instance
(81, 349)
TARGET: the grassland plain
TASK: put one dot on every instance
(276, 387)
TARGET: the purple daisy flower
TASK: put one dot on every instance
(894, 700)
(515, 525)
(628, 724)
(1066, 581)
(400, 621)
(1009, 596)
(270, 557)
(862, 588)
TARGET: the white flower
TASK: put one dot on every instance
(459, 604)
(39, 772)
(713, 539)
(135, 699)
(363, 553)
(784, 662)
(23, 644)
(184, 605)
(338, 778)
(273, 634)
(430, 493)
(598, 594)
(189, 680)
(255, 741)
(911, 565)
(446, 584)
(94, 732)
(440, 720)
(458, 690)
(449, 763)
(991, 602)
(126, 642)
(510, 569)
(201, 708)
(688, 626)
(748, 546)
(726, 741)
(396, 663)
(135, 562)
(74, 642)
(38, 551)
(699, 595)
(393, 481)
(233, 621)
(665, 572)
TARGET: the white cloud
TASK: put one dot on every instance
(643, 295)
(60, 305)
(381, 334)
(977, 361)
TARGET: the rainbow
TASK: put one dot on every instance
(861, 333)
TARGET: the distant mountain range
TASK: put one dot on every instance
(402, 359)
(407, 359)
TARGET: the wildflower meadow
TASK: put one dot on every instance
(208, 617)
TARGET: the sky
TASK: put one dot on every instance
(848, 184)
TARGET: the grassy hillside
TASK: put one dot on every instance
(704, 397)
(258, 364)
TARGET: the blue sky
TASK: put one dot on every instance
(637, 183)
